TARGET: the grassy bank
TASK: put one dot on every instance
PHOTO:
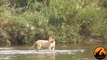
(70, 21)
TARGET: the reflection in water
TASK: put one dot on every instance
(45, 57)
(6, 57)
(28, 57)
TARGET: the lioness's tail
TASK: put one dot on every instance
(33, 46)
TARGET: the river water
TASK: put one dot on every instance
(62, 52)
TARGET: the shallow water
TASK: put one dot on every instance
(62, 52)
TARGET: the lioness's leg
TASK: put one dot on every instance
(53, 48)
(49, 48)
(38, 47)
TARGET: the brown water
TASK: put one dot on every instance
(87, 54)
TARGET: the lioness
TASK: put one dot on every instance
(50, 44)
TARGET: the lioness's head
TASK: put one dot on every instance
(51, 39)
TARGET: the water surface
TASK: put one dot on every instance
(62, 52)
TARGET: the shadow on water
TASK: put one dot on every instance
(82, 52)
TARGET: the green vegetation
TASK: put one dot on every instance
(69, 21)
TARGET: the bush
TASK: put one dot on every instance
(69, 21)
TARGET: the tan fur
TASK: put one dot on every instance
(41, 44)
